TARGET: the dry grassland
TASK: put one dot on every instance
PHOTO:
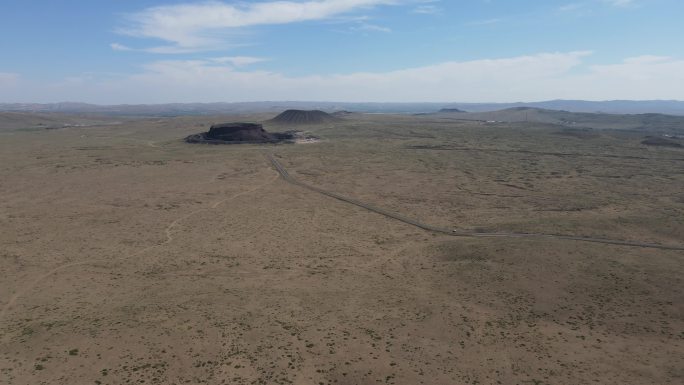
(129, 257)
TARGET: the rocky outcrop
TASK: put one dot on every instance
(234, 133)
(661, 142)
(303, 117)
(239, 132)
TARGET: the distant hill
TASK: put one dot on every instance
(661, 142)
(44, 120)
(671, 107)
(238, 133)
(182, 109)
(648, 122)
(304, 117)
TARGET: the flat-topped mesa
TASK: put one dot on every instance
(658, 141)
(239, 132)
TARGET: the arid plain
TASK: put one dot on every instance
(128, 256)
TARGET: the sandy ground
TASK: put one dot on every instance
(128, 256)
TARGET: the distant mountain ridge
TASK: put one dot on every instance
(671, 107)
(654, 122)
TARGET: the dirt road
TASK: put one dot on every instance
(455, 232)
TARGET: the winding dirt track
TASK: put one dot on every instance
(459, 233)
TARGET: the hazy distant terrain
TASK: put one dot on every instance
(645, 122)
(673, 107)
(613, 107)
(130, 256)
(47, 120)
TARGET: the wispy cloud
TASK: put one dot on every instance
(484, 22)
(492, 79)
(534, 77)
(7, 78)
(368, 27)
(571, 7)
(238, 61)
(208, 80)
(620, 3)
(428, 9)
(164, 49)
(210, 25)
(120, 47)
(589, 5)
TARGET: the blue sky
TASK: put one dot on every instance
(157, 51)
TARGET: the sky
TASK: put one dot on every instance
(164, 51)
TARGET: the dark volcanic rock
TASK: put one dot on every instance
(239, 132)
(657, 141)
(227, 133)
(304, 117)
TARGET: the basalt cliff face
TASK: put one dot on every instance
(239, 132)
(235, 133)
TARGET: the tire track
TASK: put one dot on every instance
(542, 153)
(455, 232)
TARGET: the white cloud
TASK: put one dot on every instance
(571, 7)
(639, 73)
(7, 78)
(370, 28)
(120, 47)
(205, 26)
(587, 6)
(238, 61)
(427, 9)
(495, 79)
(523, 78)
(620, 3)
(484, 22)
